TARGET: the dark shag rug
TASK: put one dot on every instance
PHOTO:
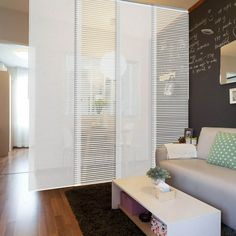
(92, 207)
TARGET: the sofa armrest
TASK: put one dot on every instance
(161, 154)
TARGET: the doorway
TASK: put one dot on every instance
(14, 108)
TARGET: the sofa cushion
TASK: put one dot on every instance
(212, 184)
(206, 139)
(223, 150)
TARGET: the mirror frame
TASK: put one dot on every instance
(225, 65)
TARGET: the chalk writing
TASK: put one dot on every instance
(227, 25)
(204, 49)
(203, 22)
(201, 47)
(224, 42)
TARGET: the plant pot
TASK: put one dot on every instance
(157, 181)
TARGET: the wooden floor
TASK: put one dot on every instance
(15, 162)
(24, 213)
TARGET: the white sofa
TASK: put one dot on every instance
(212, 184)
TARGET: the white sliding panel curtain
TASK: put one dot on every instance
(95, 113)
(134, 116)
(51, 79)
(19, 106)
(170, 74)
(108, 84)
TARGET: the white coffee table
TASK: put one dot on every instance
(184, 215)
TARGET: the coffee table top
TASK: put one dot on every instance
(183, 207)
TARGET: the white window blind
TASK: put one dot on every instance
(170, 74)
(95, 114)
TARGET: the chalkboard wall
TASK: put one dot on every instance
(209, 101)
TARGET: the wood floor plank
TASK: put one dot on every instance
(15, 162)
(24, 213)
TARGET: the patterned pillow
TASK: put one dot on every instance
(223, 150)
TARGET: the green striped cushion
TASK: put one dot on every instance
(223, 150)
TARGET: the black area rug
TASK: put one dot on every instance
(92, 208)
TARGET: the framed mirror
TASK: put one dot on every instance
(228, 63)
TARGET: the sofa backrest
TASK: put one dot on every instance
(207, 137)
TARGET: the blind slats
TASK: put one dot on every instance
(170, 55)
(95, 37)
(97, 80)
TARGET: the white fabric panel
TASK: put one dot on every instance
(95, 91)
(51, 56)
(133, 89)
(171, 70)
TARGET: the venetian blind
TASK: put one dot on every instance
(95, 38)
(170, 74)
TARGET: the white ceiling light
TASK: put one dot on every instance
(107, 65)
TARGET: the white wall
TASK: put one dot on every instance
(14, 26)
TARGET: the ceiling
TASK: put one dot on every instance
(14, 55)
(18, 5)
(23, 5)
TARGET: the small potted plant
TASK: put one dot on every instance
(158, 174)
(100, 104)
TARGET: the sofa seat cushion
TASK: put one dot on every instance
(212, 184)
(201, 170)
